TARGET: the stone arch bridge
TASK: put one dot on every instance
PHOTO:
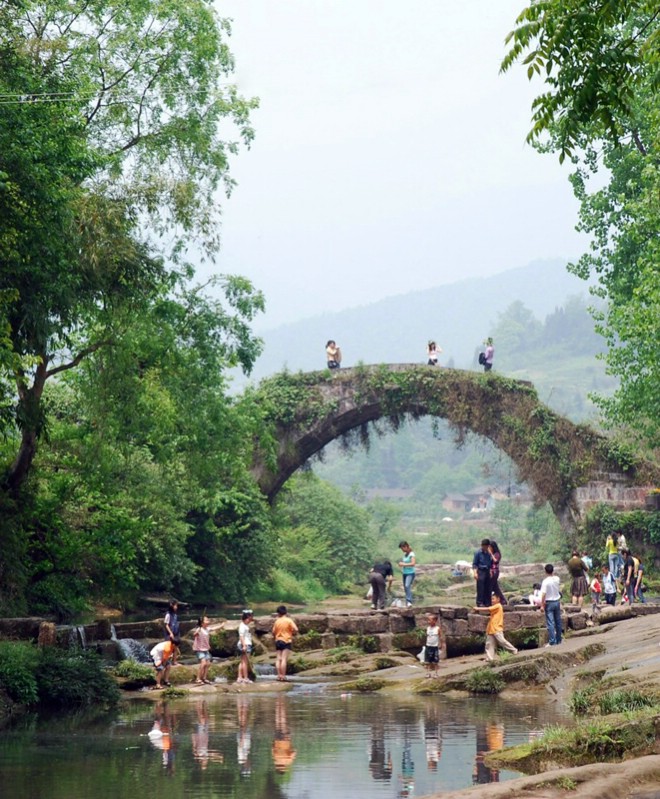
(569, 465)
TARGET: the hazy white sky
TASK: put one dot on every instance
(390, 154)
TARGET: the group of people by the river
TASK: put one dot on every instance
(165, 654)
(333, 354)
(623, 573)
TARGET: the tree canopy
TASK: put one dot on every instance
(113, 145)
(600, 63)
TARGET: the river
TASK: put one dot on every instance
(310, 743)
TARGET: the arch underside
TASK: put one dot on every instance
(552, 455)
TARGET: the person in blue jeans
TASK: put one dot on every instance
(407, 564)
(551, 605)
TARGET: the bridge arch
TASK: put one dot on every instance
(569, 465)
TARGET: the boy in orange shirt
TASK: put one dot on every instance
(495, 629)
(283, 631)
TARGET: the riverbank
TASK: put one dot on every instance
(623, 654)
(628, 658)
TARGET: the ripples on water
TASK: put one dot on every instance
(308, 743)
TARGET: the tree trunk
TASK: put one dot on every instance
(30, 414)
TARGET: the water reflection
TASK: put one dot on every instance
(268, 746)
(489, 737)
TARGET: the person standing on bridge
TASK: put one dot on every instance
(333, 354)
(433, 352)
(489, 354)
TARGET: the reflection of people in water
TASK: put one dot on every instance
(283, 752)
(432, 738)
(380, 759)
(161, 735)
(407, 769)
(202, 754)
(200, 738)
(243, 736)
(490, 736)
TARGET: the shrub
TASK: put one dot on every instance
(367, 643)
(484, 681)
(385, 663)
(18, 667)
(74, 678)
(133, 671)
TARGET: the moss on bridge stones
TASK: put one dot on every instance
(305, 411)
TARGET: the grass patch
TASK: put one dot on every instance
(484, 681)
(367, 643)
(365, 685)
(131, 670)
(343, 654)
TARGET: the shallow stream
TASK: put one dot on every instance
(310, 743)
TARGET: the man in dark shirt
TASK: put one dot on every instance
(381, 579)
(629, 576)
(481, 566)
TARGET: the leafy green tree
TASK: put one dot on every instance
(114, 123)
(144, 483)
(600, 63)
(323, 533)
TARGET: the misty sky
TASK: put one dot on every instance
(390, 155)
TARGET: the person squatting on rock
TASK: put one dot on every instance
(407, 565)
(163, 655)
(495, 629)
(380, 578)
(551, 605)
(482, 564)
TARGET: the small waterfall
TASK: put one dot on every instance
(133, 650)
(82, 636)
(264, 669)
(129, 648)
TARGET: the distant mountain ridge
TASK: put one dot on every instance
(396, 329)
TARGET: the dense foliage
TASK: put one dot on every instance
(600, 63)
(54, 677)
(113, 145)
(323, 535)
(123, 112)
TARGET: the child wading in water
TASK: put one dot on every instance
(283, 631)
(495, 629)
(244, 646)
(433, 639)
(202, 649)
